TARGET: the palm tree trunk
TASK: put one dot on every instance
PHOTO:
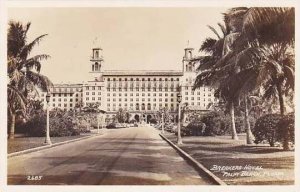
(233, 130)
(11, 134)
(250, 136)
(281, 102)
(286, 146)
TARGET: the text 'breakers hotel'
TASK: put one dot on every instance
(142, 93)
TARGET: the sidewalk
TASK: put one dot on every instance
(238, 164)
(25, 143)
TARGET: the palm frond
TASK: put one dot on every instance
(214, 31)
(35, 62)
(270, 24)
(223, 29)
(15, 99)
(39, 80)
(208, 45)
(25, 51)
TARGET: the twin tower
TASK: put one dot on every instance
(189, 63)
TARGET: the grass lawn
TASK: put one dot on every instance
(239, 164)
(22, 143)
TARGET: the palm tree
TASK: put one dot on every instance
(211, 73)
(23, 71)
(265, 48)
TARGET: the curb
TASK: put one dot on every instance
(198, 166)
(47, 146)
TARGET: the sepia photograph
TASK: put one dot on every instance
(151, 96)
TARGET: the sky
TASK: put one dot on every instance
(131, 38)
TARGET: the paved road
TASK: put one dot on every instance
(129, 156)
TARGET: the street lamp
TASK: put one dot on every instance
(47, 139)
(179, 99)
(163, 123)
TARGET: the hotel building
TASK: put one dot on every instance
(141, 93)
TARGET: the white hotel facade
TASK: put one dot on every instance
(142, 93)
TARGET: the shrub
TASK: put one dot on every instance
(266, 129)
(153, 121)
(286, 128)
(111, 126)
(216, 123)
(61, 124)
(36, 126)
(195, 128)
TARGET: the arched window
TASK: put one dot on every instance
(143, 106)
(97, 54)
(96, 66)
(148, 106)
(137, 106)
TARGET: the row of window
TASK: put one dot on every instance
(142, 107)
(61, 94)
(198, 93)
(153, 99)
(143, 79)
(93, 99)
(143, 99)
(93, 93)
(138, 94)
(66, 89)
(59, 99)
(93, 87)
(143, 86)
(142, 89)
(60, 105)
